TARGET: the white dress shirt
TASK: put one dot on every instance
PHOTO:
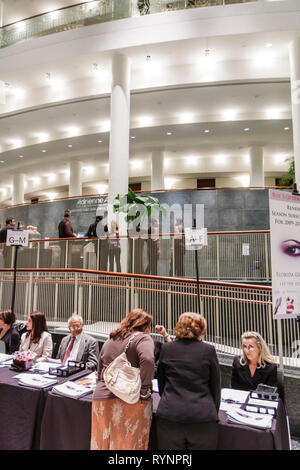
(74, 352)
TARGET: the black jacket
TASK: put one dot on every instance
(241, 378)
(189, 382)
(3, 232)
(12, 341)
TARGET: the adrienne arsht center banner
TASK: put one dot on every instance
(285, 253)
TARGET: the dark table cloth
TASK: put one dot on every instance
(21, 411)
(67, 426)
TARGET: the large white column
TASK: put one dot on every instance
(119, 130)
(157, 171)
(295, 92)
(257, 177)
(75, 184)
(18, 188)
(1, 13)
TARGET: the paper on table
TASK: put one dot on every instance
(250, 419)
(45, 366)
(229, 406)
(237, 396)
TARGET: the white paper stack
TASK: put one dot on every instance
(255, 420)
(5, 357)
(72, 390)
(232, 399)
(35, 381)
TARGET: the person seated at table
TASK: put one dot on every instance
(37, 339)
(255, 365)
(117, 425)
(189, 384)
(9, 335)
(78, 346)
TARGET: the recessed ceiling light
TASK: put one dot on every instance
(247, 129)
(21, 156)
(169, 133)
(286, 128)
(100, 141)
(1, 161)
(207, 131)
(133, 136)
(44, 151)
(70, 145)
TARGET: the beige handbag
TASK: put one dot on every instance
(122, 379)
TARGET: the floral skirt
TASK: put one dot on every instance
(116, 425)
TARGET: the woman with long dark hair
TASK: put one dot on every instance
(8, 334)
(37, 339)
(117, 425)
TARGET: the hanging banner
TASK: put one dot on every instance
(285, 253)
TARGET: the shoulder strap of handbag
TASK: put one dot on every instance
(130, 339)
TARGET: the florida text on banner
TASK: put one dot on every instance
(285, 253)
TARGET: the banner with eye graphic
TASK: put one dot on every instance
(285, 253)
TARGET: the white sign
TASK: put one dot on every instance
(285, 253)
(195, 239)
(17, 238)
(246, 249)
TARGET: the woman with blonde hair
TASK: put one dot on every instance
(117, 425)
(189, 384)
(255, 366)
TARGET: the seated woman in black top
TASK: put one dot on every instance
(189, 384)
(255, 365)
(9, 334)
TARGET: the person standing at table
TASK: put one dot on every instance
(189, 384)
(37, 339)
(117, 425)
(78, 346)
(114, 247)
(9, 335)
(255, 366)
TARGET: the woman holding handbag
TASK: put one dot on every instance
(117, 424)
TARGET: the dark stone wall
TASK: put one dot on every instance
(224, 210)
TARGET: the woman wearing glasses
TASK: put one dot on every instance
(255, 365)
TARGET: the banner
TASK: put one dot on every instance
(285, 253)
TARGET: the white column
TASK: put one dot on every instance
(294, 49)
(1, 13)
(75, 184)
(18, 188)
(157, 171)
(256, 166)
(119, 131)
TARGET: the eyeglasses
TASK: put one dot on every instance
(75, 327)
(250, 347)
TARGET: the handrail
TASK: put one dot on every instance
(143, 277)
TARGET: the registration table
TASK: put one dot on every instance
(67, 422)
(21, 411)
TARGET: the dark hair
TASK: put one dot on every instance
(67, 214)
(99, 218)
(39, 325)
(8, 317)
(138, 320)
(9, 220)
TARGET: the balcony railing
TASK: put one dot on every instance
(103, 299)
(236, 256)
(95, 12)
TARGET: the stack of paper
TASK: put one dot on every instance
(255, 420)
(232, 399)
(72, 390)
(89, 381)
(5, 357)
(35, 381)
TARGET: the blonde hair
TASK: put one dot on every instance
(190, 325)
(265, 356)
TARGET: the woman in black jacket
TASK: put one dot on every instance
(190, 389)
(8, 334)
(255, 365)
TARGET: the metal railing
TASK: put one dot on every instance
(94, 12)
(239, 256)
(104, 298)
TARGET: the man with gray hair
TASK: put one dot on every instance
(78, 346)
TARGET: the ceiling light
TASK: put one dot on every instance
(169, 133)
(133, 136)
(192, 160)
(207, 131)
(273, 113)
(221, 159)
(51, 177)
(73, 131)
(286, 128)
(101, 188)
(229, 114)
(244, 180)
(136, 163)
(264, 59)
(186, 117)
(44, 151)
(21, 156)
(247, 129)
(88, 170)
(70, 145)
(2, 161)
(100, 141)
(169, 182)
(18, 93)
(145, 120)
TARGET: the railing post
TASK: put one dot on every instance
(98, 254)
(280, 348)
(173, 256)
(67, 253)
(29, 294)
(169, 328)
(1, 287)
(38, 256)
(55, 302)
(267, 257)
(75, 293)
(218, 258)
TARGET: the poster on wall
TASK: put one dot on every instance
(285, 253)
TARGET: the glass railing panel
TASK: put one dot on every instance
(93, 13)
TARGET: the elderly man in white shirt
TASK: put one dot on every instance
(78, 346)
